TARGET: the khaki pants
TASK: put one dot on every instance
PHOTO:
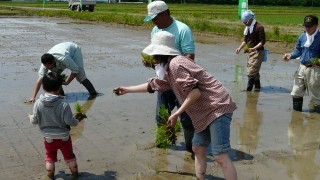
(307, 78)
(254, 61)
(81, 76)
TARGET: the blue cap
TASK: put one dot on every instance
(247, 15)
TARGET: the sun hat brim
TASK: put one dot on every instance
(154, 49)
(150, 17)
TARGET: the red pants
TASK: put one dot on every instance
(64, 146)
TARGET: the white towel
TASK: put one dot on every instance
(310, 38)
(161, 71)
(249, 28)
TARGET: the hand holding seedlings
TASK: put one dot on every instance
(287, 57)
(29, 101)
(117, 91)
(120, 91)
(172, 120)
(80, 115)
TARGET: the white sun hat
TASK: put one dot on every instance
(162, 43)
(154, 8)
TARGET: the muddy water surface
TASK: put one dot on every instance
(269, 140)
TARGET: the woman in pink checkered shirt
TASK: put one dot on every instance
(202, 96)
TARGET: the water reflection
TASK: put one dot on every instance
(303, 134)
(248, 131)
(76, 132)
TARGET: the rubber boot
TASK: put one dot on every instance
(188, 136)
(257, 85)
(87, 84)
(250, 83)
(297, 103)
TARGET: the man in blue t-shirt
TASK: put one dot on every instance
(159, 13)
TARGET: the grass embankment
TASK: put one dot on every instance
(282, 24)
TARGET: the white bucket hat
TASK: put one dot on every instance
(154, 8)
(162, 43)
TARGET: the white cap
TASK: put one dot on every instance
(154, 8)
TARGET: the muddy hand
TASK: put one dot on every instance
(287, 57)
(118, 91)
(30, 101)
(172, 120)
(30, 116)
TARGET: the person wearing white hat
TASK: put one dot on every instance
(254, 39)
(200, 94)
(159, 14)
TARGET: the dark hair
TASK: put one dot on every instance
(47, 58)
(164, 59)
(51, 82)
(168, 11)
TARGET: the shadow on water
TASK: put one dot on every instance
(236, 155)
(76, 132)
(80, 96)
(209, 177)
(274, 89)
(108, 175)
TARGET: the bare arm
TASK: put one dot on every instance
(131, 89)
(36, 89)
(71, 77)
(193, 96)
(256, 47)
(240, 47)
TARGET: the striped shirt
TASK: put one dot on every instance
(182, 77)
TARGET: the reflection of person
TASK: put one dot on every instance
(248, 132)
(54, 116)
(201, 95)
(303, 133)
(307, 47)
(159, 13)
(59, 57)
(254, 39)
(76, 132)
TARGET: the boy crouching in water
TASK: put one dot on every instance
(54, 116)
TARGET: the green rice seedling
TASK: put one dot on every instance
(80, 115)
(315, 61)
(64, 77)
(246, 48)
(166, 135)
(148, 60)
(178, 126)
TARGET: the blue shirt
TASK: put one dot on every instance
(306, 53)
(183, 35)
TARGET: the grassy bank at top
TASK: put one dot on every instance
(283, 24)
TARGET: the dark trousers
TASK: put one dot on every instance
(169, 100)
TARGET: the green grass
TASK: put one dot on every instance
(282, 24)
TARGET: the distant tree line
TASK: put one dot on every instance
(311, 3)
